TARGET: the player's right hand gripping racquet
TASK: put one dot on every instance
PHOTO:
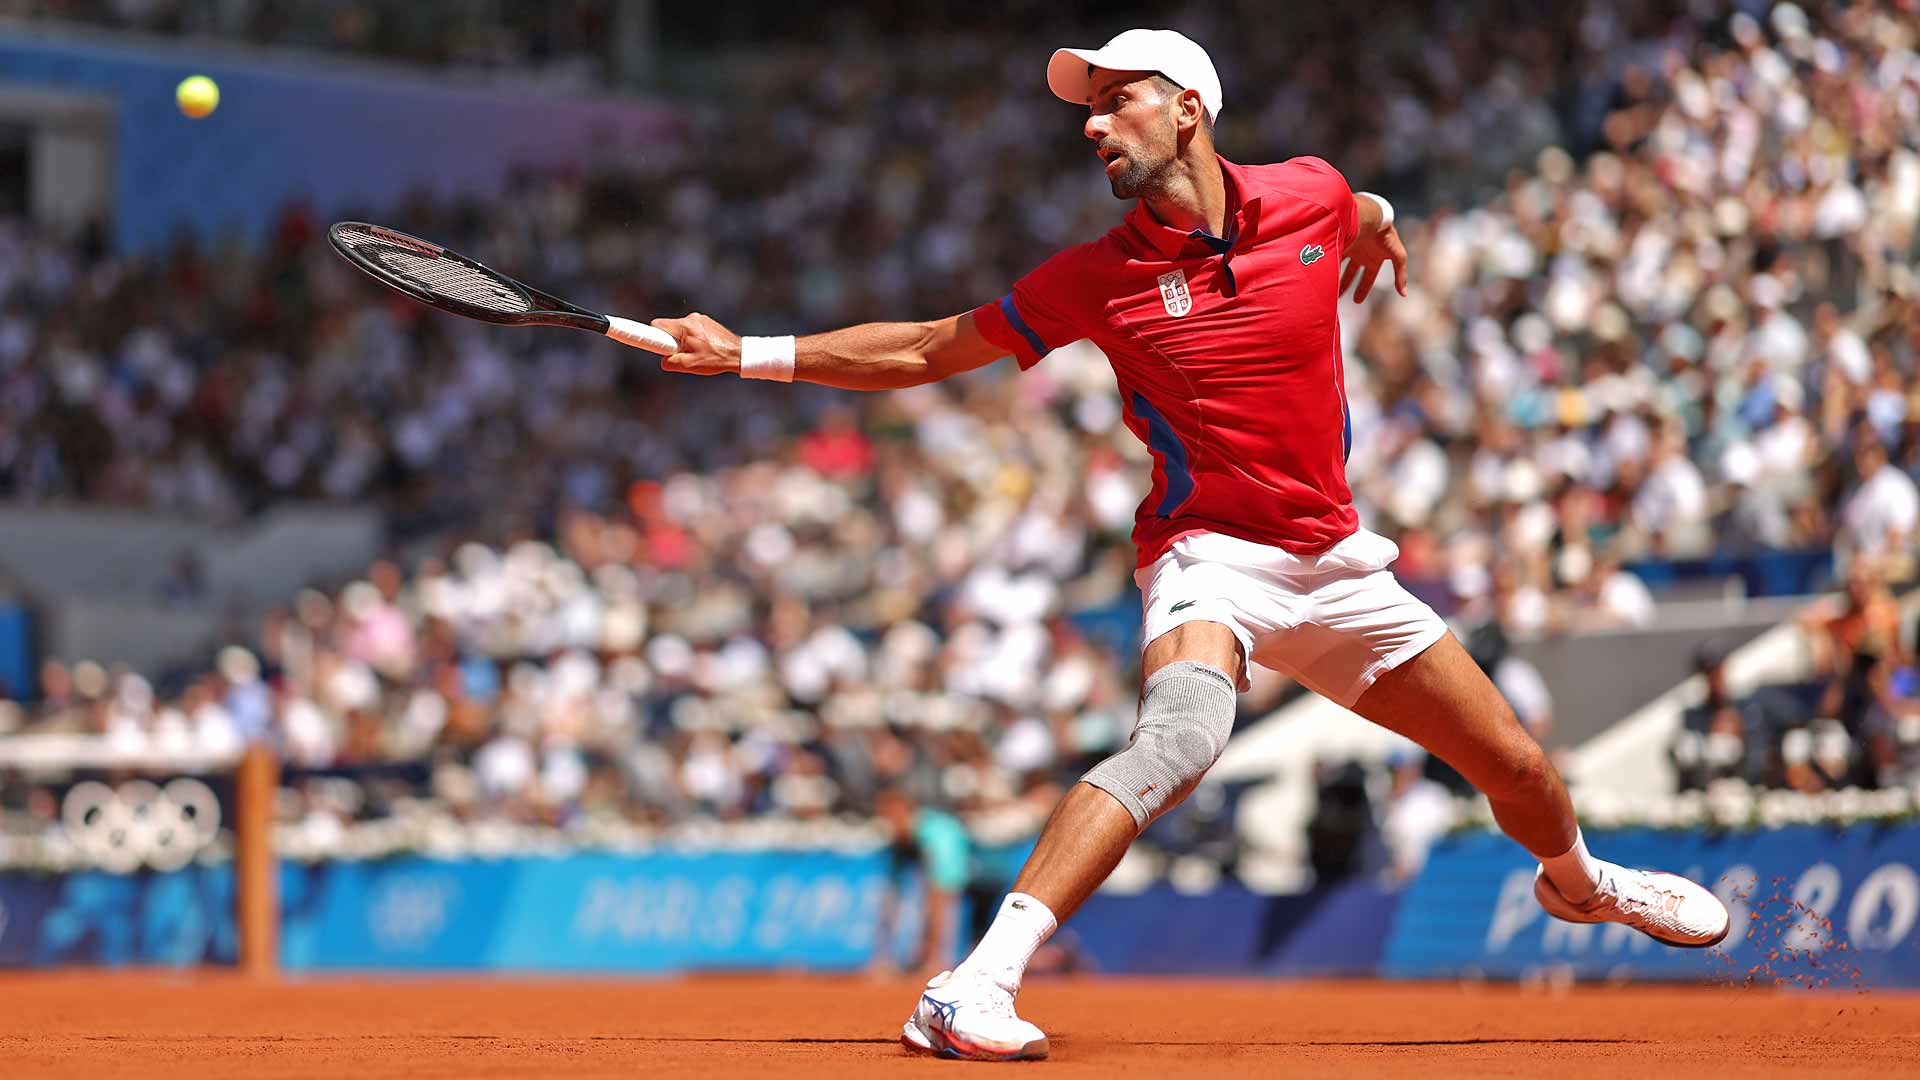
(454, 283)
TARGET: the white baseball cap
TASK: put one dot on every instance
(1168, 52)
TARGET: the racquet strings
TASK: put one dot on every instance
(434, 273)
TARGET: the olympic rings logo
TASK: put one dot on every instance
(140, 822)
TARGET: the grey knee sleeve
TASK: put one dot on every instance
(1186, 714)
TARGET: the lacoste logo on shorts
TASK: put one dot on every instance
(1311, 254)
(1181, 606)
(1018, 905)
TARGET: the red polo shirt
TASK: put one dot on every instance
(1226, 351)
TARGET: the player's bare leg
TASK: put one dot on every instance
(1443, 701)
(1084, 839)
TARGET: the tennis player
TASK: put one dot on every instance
(1215, 300)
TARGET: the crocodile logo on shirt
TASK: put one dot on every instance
(1311, 254)
(1182, 605)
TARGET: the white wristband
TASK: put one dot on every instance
(767, 358)
(1386, 209)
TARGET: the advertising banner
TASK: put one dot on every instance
(1817, 907)
(175, 918)
(654, 912)
(1812, 906)
(1334, 931)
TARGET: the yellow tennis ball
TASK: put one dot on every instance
(197, 95)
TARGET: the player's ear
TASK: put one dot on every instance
(1190, 112)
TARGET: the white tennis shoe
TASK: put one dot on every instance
(970, 1016)
(1666, 907)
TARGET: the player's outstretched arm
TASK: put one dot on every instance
(871, 356)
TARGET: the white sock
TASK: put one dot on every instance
(1002, 955)
(1575, 873)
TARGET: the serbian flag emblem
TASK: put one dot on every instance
(1174, 294)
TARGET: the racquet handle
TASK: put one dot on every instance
(641, 336)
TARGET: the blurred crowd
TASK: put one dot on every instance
(1854, 724)
(848, 615)
(727, 600)
(1701, 338)
(1577, 375)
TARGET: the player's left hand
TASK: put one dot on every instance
(1365, 257)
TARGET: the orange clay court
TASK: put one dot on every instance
(224, 1025)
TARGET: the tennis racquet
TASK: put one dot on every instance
(454, 283)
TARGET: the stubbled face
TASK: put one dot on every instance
(1131, 121)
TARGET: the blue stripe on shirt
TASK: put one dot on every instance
(1020, 326)
(1173, 456)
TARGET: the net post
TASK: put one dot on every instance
(256, 895)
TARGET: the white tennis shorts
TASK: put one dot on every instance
(1333, 622)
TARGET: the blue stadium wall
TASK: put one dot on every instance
(1816, 907)
(1812, 906)
(642, 913)
(338, 137)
